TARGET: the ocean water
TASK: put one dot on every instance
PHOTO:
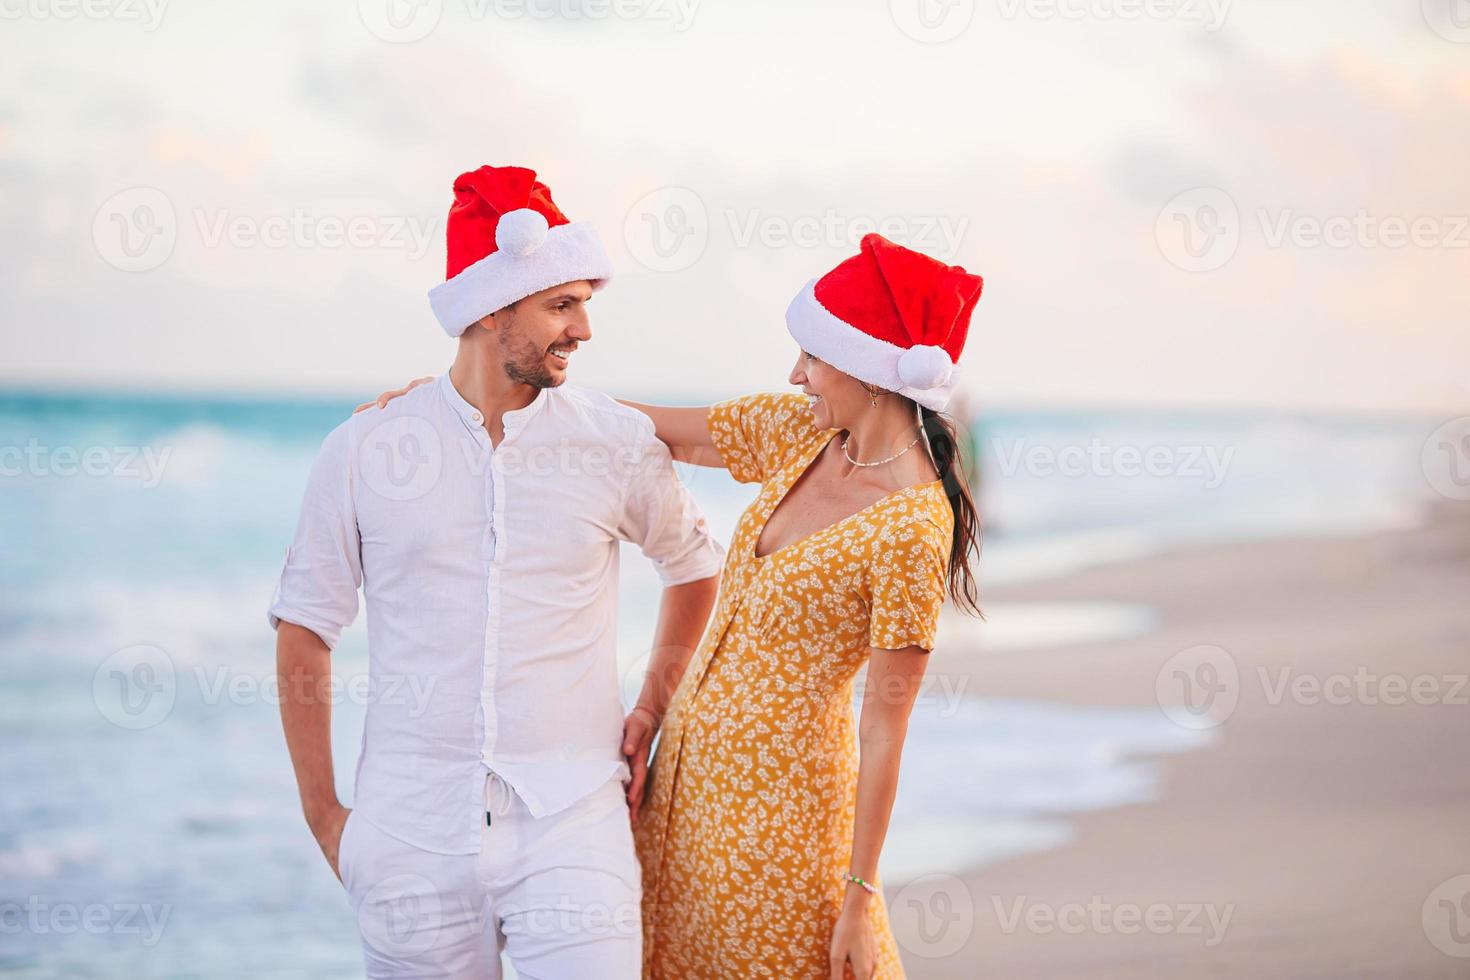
(160, 835)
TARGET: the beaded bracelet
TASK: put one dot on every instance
(849, 876)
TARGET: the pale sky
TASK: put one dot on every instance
(1257, 203)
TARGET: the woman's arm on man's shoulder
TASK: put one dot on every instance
(684, 430)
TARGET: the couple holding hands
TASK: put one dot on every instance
(511, 804)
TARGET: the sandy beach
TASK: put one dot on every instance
(1317, 835)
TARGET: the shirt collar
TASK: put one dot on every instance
(468, 413)
(517, 419)
(513, 420)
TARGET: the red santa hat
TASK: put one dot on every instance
(889, 316)
(506, 240)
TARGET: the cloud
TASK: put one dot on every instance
(1050, 161)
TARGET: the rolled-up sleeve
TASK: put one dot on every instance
(323, 569)
(660, 516)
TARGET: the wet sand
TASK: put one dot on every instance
(1308, 840)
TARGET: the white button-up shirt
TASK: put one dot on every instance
(490, 575)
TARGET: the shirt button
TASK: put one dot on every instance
(477, 417)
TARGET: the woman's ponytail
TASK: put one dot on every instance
(945, 446)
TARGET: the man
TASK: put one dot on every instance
(481, 516)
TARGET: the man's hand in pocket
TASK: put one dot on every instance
(328, 832)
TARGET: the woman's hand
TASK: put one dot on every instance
(639, 728)
(853, 941)
(387, 396)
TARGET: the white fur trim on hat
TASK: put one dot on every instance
(914, 372)
(520, 267)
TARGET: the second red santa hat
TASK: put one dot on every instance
(889, 316)
(507, 239)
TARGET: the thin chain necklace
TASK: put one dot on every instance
(881, 461)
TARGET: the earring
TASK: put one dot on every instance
(872, 394)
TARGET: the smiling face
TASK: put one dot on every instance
(834, 398)
(537, 335)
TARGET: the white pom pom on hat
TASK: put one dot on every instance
(521, 232)
(924, 366)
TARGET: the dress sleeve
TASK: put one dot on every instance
(906, 581)
(756, 434)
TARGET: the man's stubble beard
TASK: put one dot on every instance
(523, 362)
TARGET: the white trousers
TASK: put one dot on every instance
(559, 895)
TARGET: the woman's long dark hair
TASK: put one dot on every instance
(949, 460)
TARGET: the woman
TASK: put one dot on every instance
(761, 833)
(762, 830)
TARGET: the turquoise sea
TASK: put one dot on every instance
(148, 818)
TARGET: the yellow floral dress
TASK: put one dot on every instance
(748, 823)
